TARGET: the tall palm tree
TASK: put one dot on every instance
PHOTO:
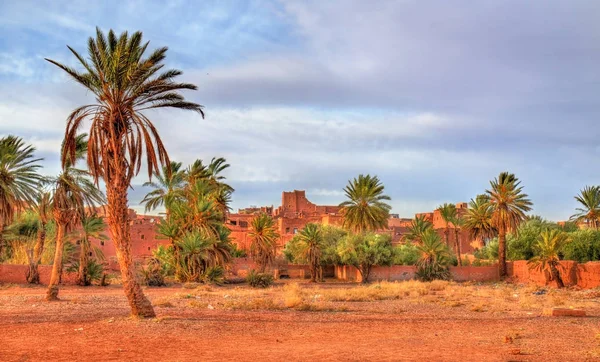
(19, 180)
(125, 83)
(589, 212)
(448, 213)
(168, 188)
(72, 192)
(509, 205)
(418, 227)
(211, 173)
(478, 218)
(92, 226)
(42, 209)
(263, 240)
(310, 248)
(365, 209)
(548, 247)
(458, 222)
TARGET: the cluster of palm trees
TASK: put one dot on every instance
(30, 202)
(196, 201)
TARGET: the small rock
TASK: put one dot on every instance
(78, 329)
(210, 307)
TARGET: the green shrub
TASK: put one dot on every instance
(583, 247)
(214, 275)
(95, 270)
(259, 280)
(435, 258)
(363, 251)
(406, 254)
(152, 274)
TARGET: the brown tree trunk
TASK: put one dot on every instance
(119, 226)
(83, 262)
(365, 270)
(446, 235)
(33, 275)
(556, 276)
(502, 252)
(457, 247)
(52, 293)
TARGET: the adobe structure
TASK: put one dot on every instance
(294, 213)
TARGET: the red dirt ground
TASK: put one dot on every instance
(92, 324)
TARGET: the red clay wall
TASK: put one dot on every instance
(407, 272)
(583, 275)
(16, 274)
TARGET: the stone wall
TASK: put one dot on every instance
(16, 274)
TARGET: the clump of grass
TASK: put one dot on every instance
(198, 304)
(164, 303)
(253, 304)
(437, 285)
(292, 295)
(479, 307)
(190, 285)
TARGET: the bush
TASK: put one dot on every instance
(406, 254)
(214, 275)
(363, 251)
(95, 270)
(259, 280)
(584, 246)
(152, 274)
(237, 253)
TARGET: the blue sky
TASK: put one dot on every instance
(435, 97)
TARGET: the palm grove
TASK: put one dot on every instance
(112, 140)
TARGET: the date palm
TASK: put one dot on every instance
(548, 247)
(19, 180)
(92, 226)
(458, 222)
(447, 213)
(310, 248)
(42, 209)
(263, 240)
(168, 188)
(478, 218)
(589, 212)
(509, 205)
(365, 209)
(125, 82)
(418, 227)
(72, 193)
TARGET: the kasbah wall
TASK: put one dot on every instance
(294, 213)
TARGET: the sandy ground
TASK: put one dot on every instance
(458, 323)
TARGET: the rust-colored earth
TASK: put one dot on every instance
(452, 323)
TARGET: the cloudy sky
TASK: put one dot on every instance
(435, 97)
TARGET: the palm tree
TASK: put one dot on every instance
(365, 209)
(548, 247)
(589, 198)
(168, 188)
(435, 258)
(478, 218)
(19, 180)
(448, 213)
(92, 226)
(418, 227)
(458, 222)
(509, 205)
(72, 193)
(310, 247)
(42, 209)
(125, 84)
(212, 175)
(263, 240)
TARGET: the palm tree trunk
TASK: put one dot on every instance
(457, 247)
(33, 275)
(502, 252)
(446, 235)
(119, 227)
(83, 261)
(52, 293)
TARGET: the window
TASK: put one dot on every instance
(148, 248)
(295, 230)
(287, 230)
(102, 242)
(142, 236)
(90, 253)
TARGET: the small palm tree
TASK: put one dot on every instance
(509, 205)
(168, 188)
(310, 248)
(126, 83)
(418, 227)
(92, 226)
(458, 222)
(478, 218)
(19, 180)
(263, 240)
(548, 248)
(435, 258)
(365, 209)
(589, 212)
(448, 213)
(42, 209)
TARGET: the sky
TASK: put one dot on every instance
(434, 97)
